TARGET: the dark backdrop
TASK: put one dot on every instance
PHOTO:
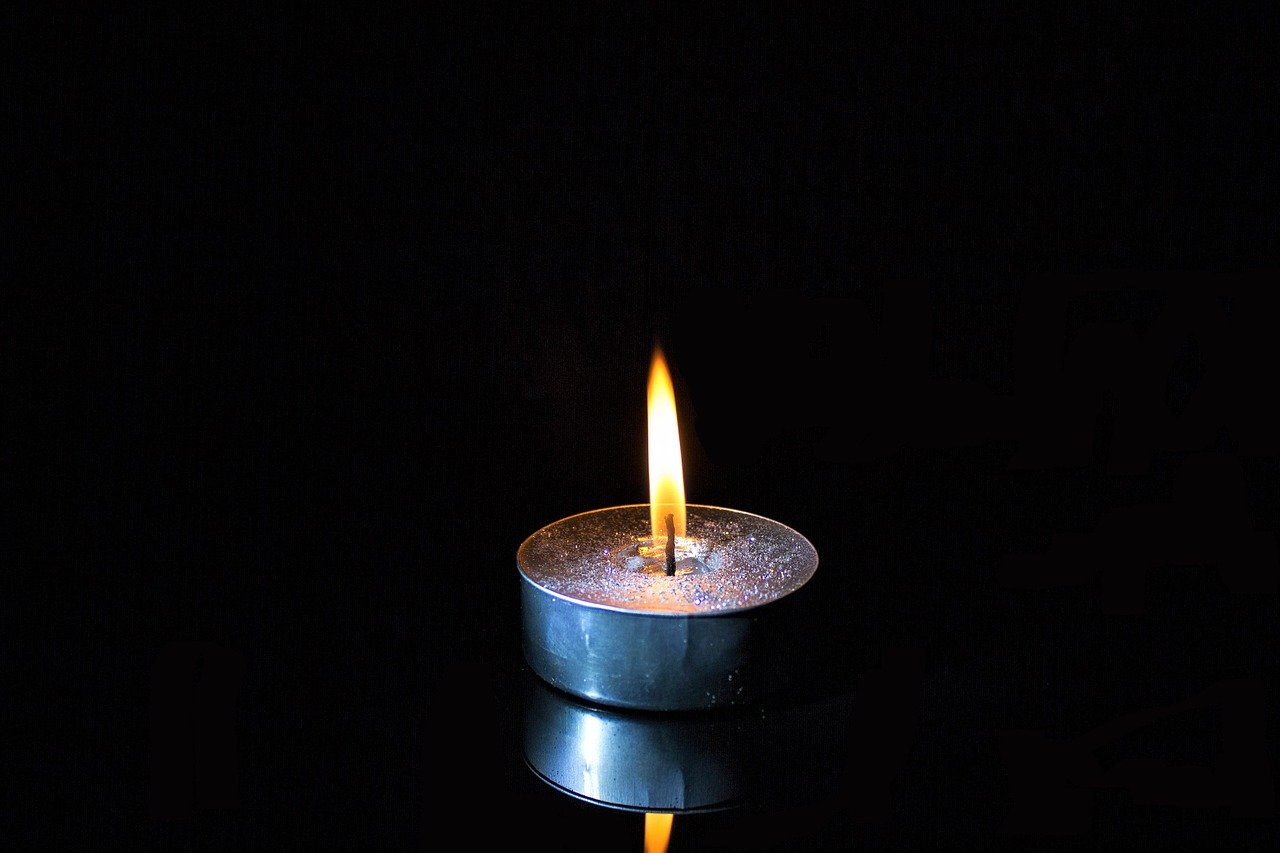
(332, 310)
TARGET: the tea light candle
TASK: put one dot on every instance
(657, 606)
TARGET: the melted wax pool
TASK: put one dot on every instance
(728, 560)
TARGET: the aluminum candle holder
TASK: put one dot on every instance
(690, 622)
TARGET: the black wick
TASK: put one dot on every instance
(671, 544)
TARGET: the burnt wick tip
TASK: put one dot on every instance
(671, 543)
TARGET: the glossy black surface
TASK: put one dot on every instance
(333, 312)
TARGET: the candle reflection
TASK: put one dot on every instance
(640, 762)
(679, 764)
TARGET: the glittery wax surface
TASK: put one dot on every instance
(728, 560)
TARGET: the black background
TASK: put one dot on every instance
(331, 311)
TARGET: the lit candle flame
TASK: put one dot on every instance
(657, 831)
(666, 471)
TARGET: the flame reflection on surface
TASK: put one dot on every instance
(657, 831)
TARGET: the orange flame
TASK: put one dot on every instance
(666, 470)
(657, 831)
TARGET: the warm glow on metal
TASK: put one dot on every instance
(657, 831)
(666, 471)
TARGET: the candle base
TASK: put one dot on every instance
(638, 660)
